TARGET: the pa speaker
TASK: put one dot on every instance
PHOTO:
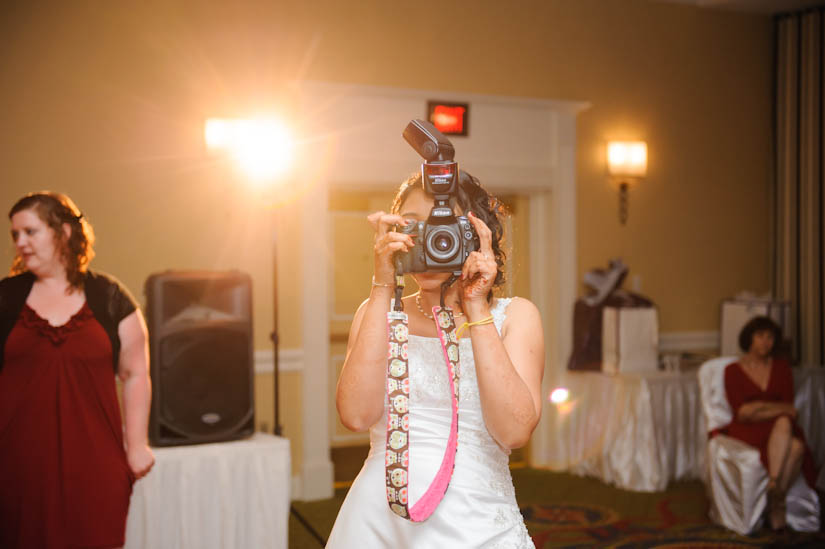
(201, 357)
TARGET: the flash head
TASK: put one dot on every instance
(428, 141)
(439, 171)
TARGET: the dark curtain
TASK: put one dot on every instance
(799, 202)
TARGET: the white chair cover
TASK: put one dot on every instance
(735, 478)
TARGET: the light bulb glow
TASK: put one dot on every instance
(627, 158)
(262, 147)
(559, 395)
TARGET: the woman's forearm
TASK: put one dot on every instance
(760, 410)
(137, 398)
(361, 386)
(509, 411)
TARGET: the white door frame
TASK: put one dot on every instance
(520, 145)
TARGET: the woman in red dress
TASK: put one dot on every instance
(760, 391)
(66, 472)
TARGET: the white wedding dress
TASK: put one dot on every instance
(479, 508)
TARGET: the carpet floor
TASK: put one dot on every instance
(563, 510)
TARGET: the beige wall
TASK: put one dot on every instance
(107, 104)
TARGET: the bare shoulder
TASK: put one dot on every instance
(522, 314)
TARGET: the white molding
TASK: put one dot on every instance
(317, 477)
(553, 283)
(688, 341)
(316, 467)
(289, 360)
(297, 493)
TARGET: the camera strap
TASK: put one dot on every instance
(397, 456)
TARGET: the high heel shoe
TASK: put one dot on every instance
(777, 508)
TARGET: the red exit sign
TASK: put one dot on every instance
(449, 118)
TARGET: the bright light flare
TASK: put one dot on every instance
(262, 147)
(559, 395)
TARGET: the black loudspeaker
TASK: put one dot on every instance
(201, 356)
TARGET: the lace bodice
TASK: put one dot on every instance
(429, 382)
(430, 395)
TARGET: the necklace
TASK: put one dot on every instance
(425, 313)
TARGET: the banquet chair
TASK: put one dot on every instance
(735, 479)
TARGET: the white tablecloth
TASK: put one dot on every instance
(230, 495)
(636, 431)
(640, 431)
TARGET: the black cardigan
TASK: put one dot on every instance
(108, 299)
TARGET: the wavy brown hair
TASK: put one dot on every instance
(55, 210)
(471, 197)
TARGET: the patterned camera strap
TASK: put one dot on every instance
(397, 457)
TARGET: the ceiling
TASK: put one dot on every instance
(755, 6)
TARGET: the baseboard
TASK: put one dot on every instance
(289, 360)
(670, 342)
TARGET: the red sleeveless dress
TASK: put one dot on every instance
(64, 478)
(740, 390)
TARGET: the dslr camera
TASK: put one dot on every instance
(444, 241)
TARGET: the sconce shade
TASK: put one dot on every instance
(627, 158)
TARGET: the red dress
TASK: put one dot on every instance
(741, 390)
(64, 477)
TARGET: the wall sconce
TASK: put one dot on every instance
(626, 161)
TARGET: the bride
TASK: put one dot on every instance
(498, 402)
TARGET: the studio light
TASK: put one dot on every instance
(262, 147)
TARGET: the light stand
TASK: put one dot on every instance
(274, 335)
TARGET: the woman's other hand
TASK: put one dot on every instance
(387, 243)
(141, 459)
(479, 271)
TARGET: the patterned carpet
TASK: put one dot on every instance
(563, 510)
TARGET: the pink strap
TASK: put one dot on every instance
(397, 457)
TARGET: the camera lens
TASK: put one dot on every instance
(443, 242)
(442, 245)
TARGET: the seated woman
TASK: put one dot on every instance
(759, 389)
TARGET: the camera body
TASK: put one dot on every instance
(444, 241)
(438, 248)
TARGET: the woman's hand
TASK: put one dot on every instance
(479, 271)
(387, 243)
(789, 410)
(141, 459)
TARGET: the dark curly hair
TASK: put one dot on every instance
(471, 197)
(760, 324)
(56, 209)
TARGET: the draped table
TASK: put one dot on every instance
(809, 399)
(641, 431)
(229, 495)
(635, 431)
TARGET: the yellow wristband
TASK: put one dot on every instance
(381, 285)
(488, 320)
